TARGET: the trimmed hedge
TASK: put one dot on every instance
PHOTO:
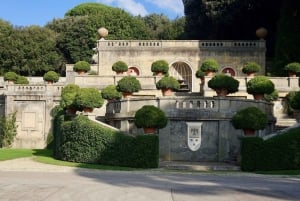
(82, 140)
(281, 152)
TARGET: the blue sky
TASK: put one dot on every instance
(39, 12)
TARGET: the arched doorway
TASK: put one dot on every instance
(133, 71)
(229, 71)
(183, 73)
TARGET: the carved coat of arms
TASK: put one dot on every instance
(194, 135)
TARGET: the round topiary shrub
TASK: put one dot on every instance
(168, 82)
(111, 93)
(160, 66)
(295, 101)
(10, 76)
(21, 80)
(292, 68)
(120, 66)
(260, 85)
(223, 84)
(51, 76)
(251, 67)
(150, 116)
(81, 66)
(89, 98)
(251, 118)
(128, 84)
(200, 74)
(210, 65)
(68, 94)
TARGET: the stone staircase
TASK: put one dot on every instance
(284, 122)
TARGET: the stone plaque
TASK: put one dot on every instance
(194, 135)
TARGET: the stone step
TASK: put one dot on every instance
(198, 166)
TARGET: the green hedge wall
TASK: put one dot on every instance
(82, 140)
(281, 152)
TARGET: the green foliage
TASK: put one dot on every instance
(222, 81)
(10, 76)
(150, 116)
(294, 67)
(120, 66)
(168, 82)
(82, 66)
(289, 98)
(111, 93)
(160, 66)
(82, 140)
(250, 118)
(295, 101)
(68, 95)
(251, 67)
(200, 73)
(31, 51)
(129, 84)
(88, 97)
(51, 76)
(272, 96)
(260, 85)
(210, 65)
(250, 150)
(8, 130)
(281, 152)
(21, 80)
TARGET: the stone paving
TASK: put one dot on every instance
(23, 179)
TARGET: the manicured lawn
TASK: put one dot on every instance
(45, 156)
(8, 154)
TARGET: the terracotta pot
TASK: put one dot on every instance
(209, 73)
(258, 96)
(88, 109)
(250, 74)
(119, 72)
(149, 130)
(71, 110)
(159, 73)
(167, 92)
(127, 94)
(81, 72)
(249, 132)
(49, 82)
(221, 92)
(292, 74)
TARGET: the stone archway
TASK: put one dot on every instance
(133, 71)
(183, 73)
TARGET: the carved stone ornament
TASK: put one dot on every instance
(194, 135)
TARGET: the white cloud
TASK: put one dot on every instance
(131, 6)
(175, 6)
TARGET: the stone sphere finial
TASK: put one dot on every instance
(103, 32)
(261, 33)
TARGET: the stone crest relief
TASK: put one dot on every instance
(194, 135)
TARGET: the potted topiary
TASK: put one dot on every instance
(67, 100)
(150, 118)
(200, 74)
(120, 67)
(51, 77)
(295, 104)
(293, 69)
(110, 93)
(250, 68)
(128, 85)
(21, 80)
(258, 86)
(160, 67)
(81, 67)
(210, 66)
(88, 99)
(168, 84)
(250, 119)
(223, 84)
(10, 77)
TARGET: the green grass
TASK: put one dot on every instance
(45, 156)
(8, 154)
